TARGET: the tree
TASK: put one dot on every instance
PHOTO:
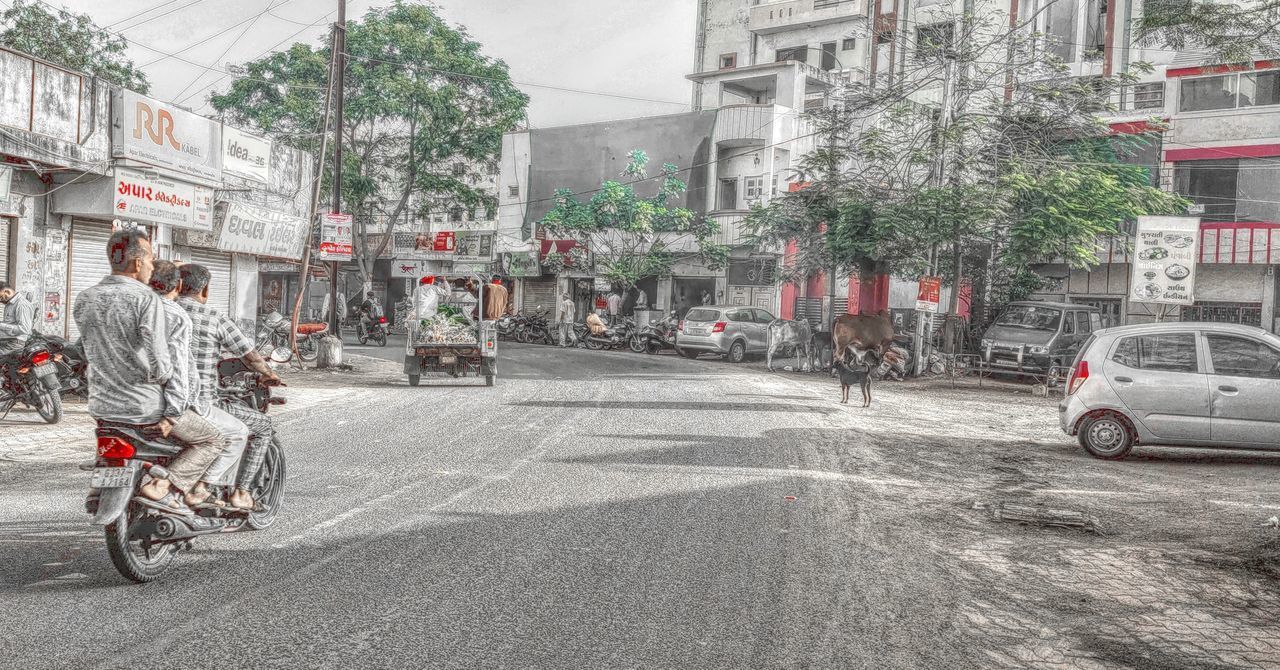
(979, 159)
(425, 111)
(630, 237)
(1225, 32)
(72, 41)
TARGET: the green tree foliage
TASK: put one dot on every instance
(1223, 32)
(70, 40)
(425, 111)
(632, 237)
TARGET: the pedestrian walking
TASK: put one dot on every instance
(615, 305)
(564, 321)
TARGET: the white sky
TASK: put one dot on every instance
(640, 48)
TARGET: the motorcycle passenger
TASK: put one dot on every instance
(124, 331)
(211, 334)
(184, 386)
(370, 311)
(15, 327)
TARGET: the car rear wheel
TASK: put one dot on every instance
(688, 353)
(737, 352)
(1106, 436)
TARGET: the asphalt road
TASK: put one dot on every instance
(594, 509)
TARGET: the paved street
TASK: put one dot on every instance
(618, 510)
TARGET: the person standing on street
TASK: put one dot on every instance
(495, 300)
(564, 320)
(211, 334)
(615, 304)
(183, 388)
(124, 331)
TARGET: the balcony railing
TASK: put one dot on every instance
(776, 17)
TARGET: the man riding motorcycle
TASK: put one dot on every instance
(124, 332)
(15, 327)
(370, 312)
(211, 334)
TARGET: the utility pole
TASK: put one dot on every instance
(921, 337)
(339, 69)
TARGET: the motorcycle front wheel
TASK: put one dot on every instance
(307, 349)
(269, 490)
(132, 558)
(594, 344)
(637, 344)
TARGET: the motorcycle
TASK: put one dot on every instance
(614, 337)
(536, 330)
(376, 331)
(72, 366)
(30, 377)
(507, 325)
(143, 541)
(655, 337)
(273, 335)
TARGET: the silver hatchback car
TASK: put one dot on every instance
(732, 331)
(1178, 384)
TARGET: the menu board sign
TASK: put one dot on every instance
(1164, 263)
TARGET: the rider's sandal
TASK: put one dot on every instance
(169, 502)
(256, 509)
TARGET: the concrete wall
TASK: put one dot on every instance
(580, 157)
(513, 170)
(52, 115)
(724, 31)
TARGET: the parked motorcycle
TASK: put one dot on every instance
(655, 337)
(507, 325)
(273, 335)
(614, 337)
(70, 362)
(31, 378)
(143, 541)
(376, 331)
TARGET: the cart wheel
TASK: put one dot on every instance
(414, 380)
(488, 380)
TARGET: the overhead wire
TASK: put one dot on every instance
(247, 28)
(161, 15)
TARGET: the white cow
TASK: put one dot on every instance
(787, 335)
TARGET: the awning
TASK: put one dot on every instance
(559, 246)
(1240, 242)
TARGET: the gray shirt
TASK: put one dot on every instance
(15, 328)
(184, 386)
(565, 313)
(123, 330)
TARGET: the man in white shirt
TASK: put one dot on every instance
(615, 305)
(564, 320)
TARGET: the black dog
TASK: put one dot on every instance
(857, 371)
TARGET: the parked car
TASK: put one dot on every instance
(1033, 336)
(1184, 384)
(732, 331)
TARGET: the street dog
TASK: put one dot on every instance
(857, 370)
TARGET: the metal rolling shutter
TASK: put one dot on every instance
(89, 264)
(219, 265)
(4, 248)
(540, 293)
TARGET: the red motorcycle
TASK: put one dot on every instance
(31, 378)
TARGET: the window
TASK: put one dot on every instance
(1148, 96)
(1069, 325)
(728, 61)
(753, 188)
(513, 191)
(728, 194)
(932, 40)
(1082, 323)
(740, 315)
(763, 316)
(1241, 357)
(849, 44)
(1167, 353)
(1247, 313)
(455, 215)
(701, 315)
(459, 170)
(1208, 93)
(793, 53)
(829, 55)
(1031, 317)
(1211, 184)
(1260, 88)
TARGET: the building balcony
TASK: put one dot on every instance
(733, 230)
(776, 17)
(753, 125)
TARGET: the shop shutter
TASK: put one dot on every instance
(88, 244)
(540, 293)
(4, 248)
(219, 265)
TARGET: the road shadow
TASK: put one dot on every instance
(647, 405)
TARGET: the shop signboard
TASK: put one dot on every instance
(474, 246)
(523, 264)
(148, 197)
(444, 242)
(161, 134)
(278, 267)
(246, 155)
(262, 232)
(335, 237)
(1164, 263)
(930, 294)
(413, 268)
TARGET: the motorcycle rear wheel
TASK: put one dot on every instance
(637, 344)
(594, 344)
(49, 405)
(382, 338)
(129, 557)
(307, 349)
(269, 491)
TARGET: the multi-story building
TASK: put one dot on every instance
(86, 158)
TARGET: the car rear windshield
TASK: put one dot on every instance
(1031, 317)
(702, 314)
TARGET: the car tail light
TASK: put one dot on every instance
(1078, 375)
(114, 447)
(719, 327)
(40, 358)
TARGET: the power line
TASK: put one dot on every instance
(135, 15)
(251, 23)
(161, 15)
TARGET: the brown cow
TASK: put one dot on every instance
(856, 333)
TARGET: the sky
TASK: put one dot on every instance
(637, 48)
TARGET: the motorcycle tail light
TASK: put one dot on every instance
(382, 319)
(1078, 376)
(114, 447)
(40, 358)
(719, 327)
